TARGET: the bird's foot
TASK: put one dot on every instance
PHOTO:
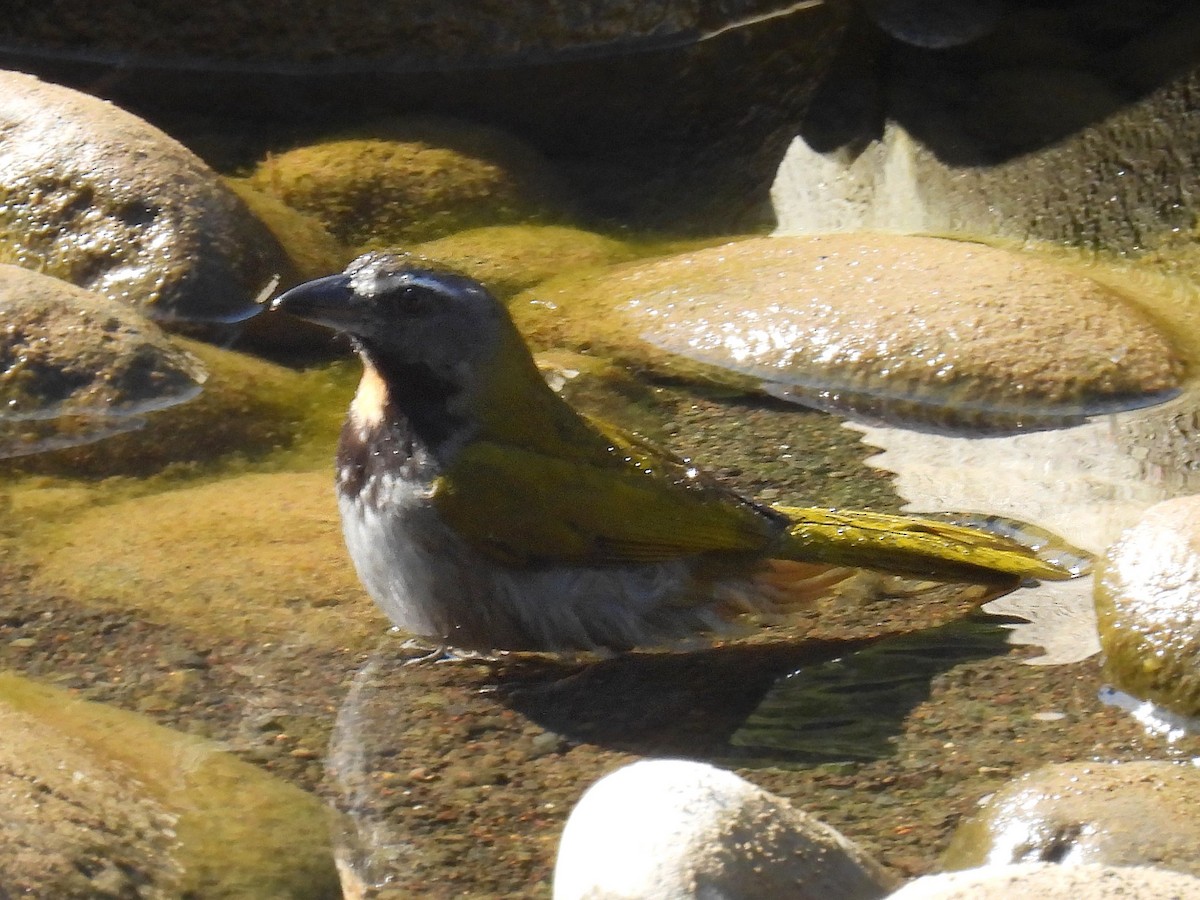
(440, 653)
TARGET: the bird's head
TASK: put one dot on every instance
(435, 345)
(396, 311)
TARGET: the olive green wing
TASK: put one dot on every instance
(629, 504)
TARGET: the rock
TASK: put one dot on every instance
(76, 366)
(510, 258)
(1115, 814)
(1148, 605)
(247, 406)
(101, 802)
(409, 180)
(258, 554)
(935, 23)
(911, 329)
(1050, 881)
(311, 249)
(450, 35)
(675, 829)
(95, 196)
(1052, 146)
(77, 825)
(630, 95)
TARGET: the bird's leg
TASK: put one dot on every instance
(425, 654)
(443, 652)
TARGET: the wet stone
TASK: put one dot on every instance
(1148, 606)
(663, 828)
(94, 195)
(912, 330)
(1051, 881)
(75, 366)
(1116, 814)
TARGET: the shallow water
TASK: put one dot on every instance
(215, 597)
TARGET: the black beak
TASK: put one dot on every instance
(328, 301)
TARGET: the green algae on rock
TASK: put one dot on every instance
(233, 830)
(1148, 606)
(309, 246)
(405, 180)
(248, 408)
(916, 330)
(94, 195)
(83, 825)
(510, 258)
(1112, 814)
(76, 366)
(257, 554)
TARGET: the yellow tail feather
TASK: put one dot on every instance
(925, 548)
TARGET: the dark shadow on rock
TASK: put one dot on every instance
(1043, 72)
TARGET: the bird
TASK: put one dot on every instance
(482, 512)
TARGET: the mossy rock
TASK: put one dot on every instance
(311, 252)
(310, 247)
(248, 408)
(509, 258)
(237, 832)
(76, 366)
(406, 180)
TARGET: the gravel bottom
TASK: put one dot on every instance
(462, 772)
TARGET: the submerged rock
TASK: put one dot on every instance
(258, 554)
(910, 329)
(101, 802)
(677, 829)
(77, 825)
(414, 180)
(95, 196)
(1114, 814)
(76, 366)
(1148, 606)
(247, 407)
